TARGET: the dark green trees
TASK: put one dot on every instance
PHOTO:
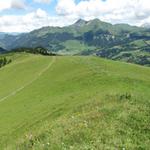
(4, 61)
(36, 50)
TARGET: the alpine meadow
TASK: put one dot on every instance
(74, 75)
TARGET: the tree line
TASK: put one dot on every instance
(4, 61)
(37, 50)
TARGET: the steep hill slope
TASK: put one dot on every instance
(73, 103)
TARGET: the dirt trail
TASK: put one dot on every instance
(27, 84)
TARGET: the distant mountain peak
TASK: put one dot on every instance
(80, 22)
(96, 20)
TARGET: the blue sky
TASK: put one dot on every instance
(27, 15)
(32, 5)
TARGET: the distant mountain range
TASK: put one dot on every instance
(118, 42)
(2, 50)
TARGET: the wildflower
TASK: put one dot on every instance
(71, 147)
(86, 123)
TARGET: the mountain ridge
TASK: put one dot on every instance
(93, 37)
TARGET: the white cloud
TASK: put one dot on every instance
(5, 5)
(8, 4)
(31, 21)
(134, 12)
(23, 23)
(114, 11)
(18, 4)
(65, 7)
(42, 1)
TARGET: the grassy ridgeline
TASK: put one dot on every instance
(73, 103)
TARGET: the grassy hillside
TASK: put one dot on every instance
(73, 103)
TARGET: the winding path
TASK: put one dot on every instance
(29, 83)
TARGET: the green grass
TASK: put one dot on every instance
(75, 103)
(139, 43)
(75, 47)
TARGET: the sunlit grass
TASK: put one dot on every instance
(77, 103)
